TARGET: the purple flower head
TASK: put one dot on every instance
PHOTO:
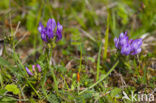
(48, 32)
(128, 46)
(28, 71)
(39, 67)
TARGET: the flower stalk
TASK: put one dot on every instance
(52, 69)
(50, 35)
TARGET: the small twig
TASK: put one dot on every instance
(103, 9)
(5, 11)
(16, 29)
(88, 35)
(25, 34)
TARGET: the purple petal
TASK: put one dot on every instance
(137, 51)
(58, 32)
(126, 33)
(136, 44)
(123, 41)
(42, 30)
(130, 41)
(39, 67)
(116, 41)
(40, 27)
(43, 36)
(33, 68)
(139, 42)
(28, 71)
(122, 35)
(51, 24)
(50, 33)
(126, 49)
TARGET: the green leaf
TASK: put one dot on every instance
(8, 100)
(12, 88)
(76, 38)
(2, 91)
(53, 98)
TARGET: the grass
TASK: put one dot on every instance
(84, 66)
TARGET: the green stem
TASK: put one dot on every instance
(80, 58)
(98, 63)
(79, 70)
(102, 78)
(43, 84)
(55, 81)
(78, 87)
(1, 79)
(52, 70)
(106, 38)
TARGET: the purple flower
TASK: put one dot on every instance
(123, 41)
(48, 32)
(58, 32)
(116, 40)
(28, 71)
(128, 46)
(42, 30)
(33, 68)
(122, 35)
(51, 24)
(40, 27)
(39, 67)
(136, 44)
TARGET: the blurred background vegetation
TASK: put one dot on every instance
(86, 24)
